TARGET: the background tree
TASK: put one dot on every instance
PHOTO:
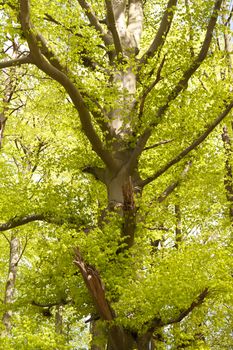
(131, 148)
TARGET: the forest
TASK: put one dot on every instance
(116, 175)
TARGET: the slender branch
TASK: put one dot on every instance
(63, 79)
(178, 230)
(16, 62)
(6, 238)
(200, 299)
(183, 82)
(86, 60)
(22, 251)
(162, 32)
(138, 150)
(190, 148)
(227, 22)
(94, 21)
(113, 27)
(151, 86)
(155, 145)
(157, 323)
(49, 305)
(174, 184)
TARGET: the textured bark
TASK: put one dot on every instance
(95, 286)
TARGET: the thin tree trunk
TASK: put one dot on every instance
(228, 181)
(59, 319)
(10, 283)
(178, 226)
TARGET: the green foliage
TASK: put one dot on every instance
(45, 167)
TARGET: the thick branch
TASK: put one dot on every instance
(63, 79)
(135, 20)
(95, 287)
(113, 27)
(190, 148)
(16, 62)
(48, 53)
(20, 221)
(26, 219)
(162, 33)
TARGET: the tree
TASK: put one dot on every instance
(150, 84)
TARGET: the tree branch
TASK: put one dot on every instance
(158, 323)
(94, 21)
(190, 148)
(162, 32)
(16, 62)
(135, 20)
(86, 60)
(173, 94)
(155, 145)
(20, 221)
(49, 305)
(200, 299)
(227, 22)
(48, 53)
(26, 219)
(95, 287)
(183, 82)
(68, 85)
(173, 185)
(150, 87)
(22, 251)
(113, 27)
